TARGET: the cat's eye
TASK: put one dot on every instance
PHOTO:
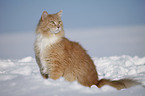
(59, 22)
(52, 22)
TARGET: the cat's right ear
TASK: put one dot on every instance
(44, 15)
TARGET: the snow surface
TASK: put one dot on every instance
(22, 78)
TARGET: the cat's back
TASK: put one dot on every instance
(78, 64)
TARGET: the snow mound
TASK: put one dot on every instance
(120, 66)
(26, 59)
(22, 78)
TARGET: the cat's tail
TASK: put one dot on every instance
(118, 84)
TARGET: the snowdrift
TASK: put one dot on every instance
(22, 78)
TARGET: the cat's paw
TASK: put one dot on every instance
(45, 76)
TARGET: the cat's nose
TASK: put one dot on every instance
(58, 26)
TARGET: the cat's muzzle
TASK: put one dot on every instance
(56, 31)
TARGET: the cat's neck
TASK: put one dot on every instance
(48, 41)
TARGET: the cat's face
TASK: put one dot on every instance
(50, 23)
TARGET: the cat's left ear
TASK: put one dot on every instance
(59, 13)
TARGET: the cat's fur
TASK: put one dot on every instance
(59, 57)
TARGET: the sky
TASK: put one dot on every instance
(109, 27)
(23, 15)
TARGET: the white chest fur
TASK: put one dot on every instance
(43, 42)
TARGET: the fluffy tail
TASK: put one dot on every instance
(118, 84)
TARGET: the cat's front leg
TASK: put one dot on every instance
(44, 75)
(44, 72)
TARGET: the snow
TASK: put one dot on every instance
(22, 78)
(27, 59)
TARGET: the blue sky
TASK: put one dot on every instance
(23, 15)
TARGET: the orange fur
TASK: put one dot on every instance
(59, 57)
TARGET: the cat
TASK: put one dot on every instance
(58, 57)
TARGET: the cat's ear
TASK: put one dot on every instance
(44, 15)
(59, 13)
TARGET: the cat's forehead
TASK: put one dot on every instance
(53, 17)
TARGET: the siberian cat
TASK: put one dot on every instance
(59, 57)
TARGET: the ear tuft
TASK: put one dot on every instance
(44, 15)
(59, 13)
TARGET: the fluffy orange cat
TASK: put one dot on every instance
(59, 57)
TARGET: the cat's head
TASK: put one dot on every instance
(50, 24)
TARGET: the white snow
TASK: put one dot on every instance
(27, 59)
(22, 78)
